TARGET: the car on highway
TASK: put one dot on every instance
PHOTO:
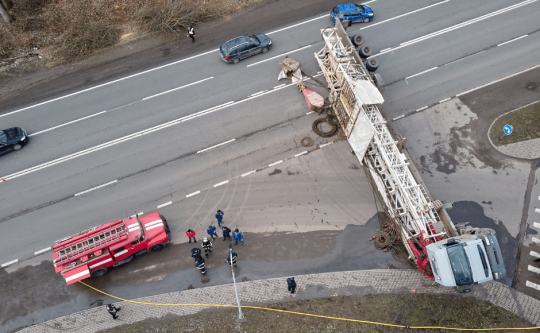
(352, 12)
(12, 139)
(243, 47)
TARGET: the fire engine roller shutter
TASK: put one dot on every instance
(76, 274)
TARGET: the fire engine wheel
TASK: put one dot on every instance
(365, 51)
(124, 261)
(319, 132)
(99, 272)
(372, 64)
(157, 248)
(486, 231)
(236, 60)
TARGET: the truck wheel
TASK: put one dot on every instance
(236, 60)
(358, 39)
(265, 50)
(372, 64)
(365, 51)
(99, 272)
(486, 231)
(157, 248)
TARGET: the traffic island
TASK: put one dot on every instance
(517, 133)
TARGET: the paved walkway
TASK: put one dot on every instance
(529, 149)
(269, 291)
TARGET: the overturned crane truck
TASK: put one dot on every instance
(94, 251)
(454, 257)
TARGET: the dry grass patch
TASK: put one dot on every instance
(526, 124)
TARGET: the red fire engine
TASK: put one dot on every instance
(92, 252)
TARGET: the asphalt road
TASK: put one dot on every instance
(149, 143)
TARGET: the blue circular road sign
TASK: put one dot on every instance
(508, 129)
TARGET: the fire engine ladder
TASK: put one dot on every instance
(105, 237)
(405, 201)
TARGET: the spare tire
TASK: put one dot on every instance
(365, 51)
(372, 64)
(358, 39)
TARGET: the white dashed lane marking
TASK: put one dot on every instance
(165, 204)
(192, 194)
(222, 183)
(42, 251)
(248, 173)
(275, 163)
(10, 263)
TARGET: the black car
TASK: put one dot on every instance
(244, 47)
(12, 139)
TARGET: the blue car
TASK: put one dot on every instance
(352, 12)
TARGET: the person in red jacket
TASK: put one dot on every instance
(191, 234)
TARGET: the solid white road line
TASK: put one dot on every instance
(409, 13)
(275, 163)
(139, 214)
(302, 153)
(68, 123)
(536, 225)
(512, 40)
(108, 83)
(295, 25)
(220, 144)
(257, 93)
(535, 254)
(192, 194)
(499, 80)
(95, 188)
(399, 117)
(457, 26)
(182, 87)
(534, 269)
(408, 77)
(326, 144)
(278, 56)
(42, 251)
(422, 108)
(10, 263)
(310, 112)
(136, 135)
(248, 173)
(532, 285)
(281, 85)
(445, 100)
(165, 204)
(222, 183)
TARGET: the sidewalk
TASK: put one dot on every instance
(529, 149)
(270, 291)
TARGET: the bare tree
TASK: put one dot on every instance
(5, 5)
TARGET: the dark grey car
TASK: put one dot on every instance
(12, 139)
(244, 47)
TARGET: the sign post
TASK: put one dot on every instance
(507, 129)
(241, 317)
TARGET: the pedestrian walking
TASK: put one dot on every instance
(200, 265)
(196, 253)
(191, 234)
(207, 246)
(191, 33)
(291, 284)
(112, 310)
(238, 237)
(226, 233)
(219, 217)
(211, 231)
(234, 256)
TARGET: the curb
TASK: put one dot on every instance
(500, 151)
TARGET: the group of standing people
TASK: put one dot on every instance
(196, 253)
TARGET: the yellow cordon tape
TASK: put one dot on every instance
(318, 316)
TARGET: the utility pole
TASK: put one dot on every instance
(241, 317)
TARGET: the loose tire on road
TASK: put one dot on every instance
(365, 51)
(236, 60)
(372, 64)
(17, 147)
(306, 142)
(265, 50)
(99, 272)
(316, 129)
(358, 39)
(157, 248)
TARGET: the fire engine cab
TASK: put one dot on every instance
(92, 252)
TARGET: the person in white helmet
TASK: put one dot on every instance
(207, 246)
